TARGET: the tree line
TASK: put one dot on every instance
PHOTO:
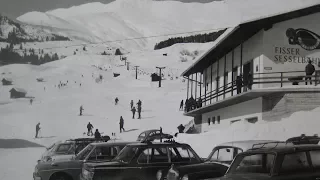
(199, 38)
(9, 56)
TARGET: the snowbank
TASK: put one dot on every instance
(304, 122)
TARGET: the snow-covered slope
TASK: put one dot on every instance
(123, 19)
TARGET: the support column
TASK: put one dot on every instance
(211, 85)
(188, 88)
(196, 86)
(224, 76)
(232, 75)
(192, 85)
(200, 85)
(205, 86)
(217, 81)
(241, 49)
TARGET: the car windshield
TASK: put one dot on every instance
(84, 153)
(126, 154)
(253, 163)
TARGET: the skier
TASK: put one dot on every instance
(31, 100)
(139, 112)
(139, 103)
(97, 134)
(116, 101)
(37, 130)
(89, 127)
(81, 109)
(131, 104)
(121, 124)
(181, 105)
(133, 112)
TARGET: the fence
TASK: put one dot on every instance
(277, 79)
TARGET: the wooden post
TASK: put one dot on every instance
(136, 71)
(196, 86)
(232, 75)
(211, 84)
(281, 74)
(192, 85)
(188, 88)
(160, 68)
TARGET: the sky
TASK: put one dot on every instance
(16, 8)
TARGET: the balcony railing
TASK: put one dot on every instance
(278, 79)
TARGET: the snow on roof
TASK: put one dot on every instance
(7, 79)
(19, 90)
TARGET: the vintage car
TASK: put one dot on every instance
(303, 139)
(280, 162)
(142, 161)
(153, 134)
(222, 154)
(68, 149)
(71, 169)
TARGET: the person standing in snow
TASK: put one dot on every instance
(181, 105)
(121, 124)
(81, 109)
(116, 101)
(133, 112)
(131, 104)
(309, 71)
(97, 134)
(139, 103)
(239, 84)
(37, 130)
(139, 112)
(31, 101)
(89, 127)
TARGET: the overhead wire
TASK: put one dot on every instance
(130, 39)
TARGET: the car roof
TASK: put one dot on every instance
(284, 148)
(158, 144)
(246, 144)
(112, 143)
(150, 130)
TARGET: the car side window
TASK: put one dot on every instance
(182, 154)
(63, 148)
(145, 156)
(315, 158)
(224, 154)
(294, 162)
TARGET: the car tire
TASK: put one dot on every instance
(60, 176)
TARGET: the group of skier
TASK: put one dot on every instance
(133, 109)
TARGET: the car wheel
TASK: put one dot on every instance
(60, 176)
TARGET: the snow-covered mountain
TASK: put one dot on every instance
(25, 32)
(126, 19)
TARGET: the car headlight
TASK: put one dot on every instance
(159, 175)
(87, 174)
(185, 177)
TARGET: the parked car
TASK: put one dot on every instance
(222, 154)
(282, 162)
(303, 139)
(142, 161)
(153, 134)
(71, 169)
(68, 149)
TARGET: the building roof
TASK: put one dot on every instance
(19, 90)
(7, 79)
(235, 36)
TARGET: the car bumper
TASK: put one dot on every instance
(35, 177)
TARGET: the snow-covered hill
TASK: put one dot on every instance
(24, 32)
(125, 19)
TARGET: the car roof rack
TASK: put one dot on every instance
(104, 139)
(303, 139)
(262, 145)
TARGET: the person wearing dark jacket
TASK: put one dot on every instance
(186, 105)
(37, 130)
(181, 105)
(121, 123)
(89, 127)
(181, 128)
(97, 134)
(250, 81)
(133, 112)
(139, 103)
(81, 109)
(309, 71)
(239, 84)
(139, 112)
(116, 101)
(131, 104)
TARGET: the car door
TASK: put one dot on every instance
(147, 164)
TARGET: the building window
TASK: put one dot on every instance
(208, 121)
(213, 120)
(252, 120)
(218, 119)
